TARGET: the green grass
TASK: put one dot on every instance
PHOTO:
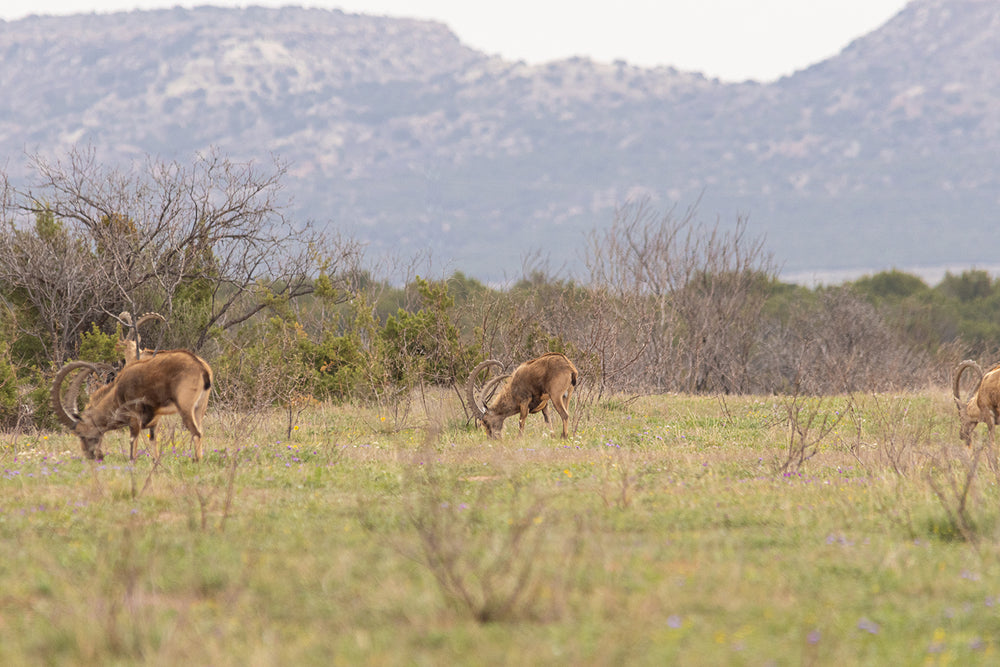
(660, 533)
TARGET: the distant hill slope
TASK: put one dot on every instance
(885, 155)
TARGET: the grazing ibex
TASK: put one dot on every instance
(175, 381)
(550, 377)
(983, 404)
(130, 346)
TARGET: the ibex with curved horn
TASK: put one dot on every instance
(144, 390)
(983, 404)
(130, 346)
(529, 389)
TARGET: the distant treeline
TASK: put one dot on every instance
(288, 317)
(889, 331)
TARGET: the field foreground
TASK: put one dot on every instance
(667, 530)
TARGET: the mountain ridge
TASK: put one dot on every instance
(397, 133)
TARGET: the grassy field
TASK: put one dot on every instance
(667, 530)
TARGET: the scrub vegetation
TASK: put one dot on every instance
(669, 530)
(756, 471)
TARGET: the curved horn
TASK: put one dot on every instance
(490, 388)
(58, 408)
(75, 387)
(968, 363)
(76, 384)
(125, 320)
(149, 317)
(470, 393)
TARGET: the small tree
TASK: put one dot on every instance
(431, 335)
(47, 277)
(207, 240)
(99, 347)
(267, 363)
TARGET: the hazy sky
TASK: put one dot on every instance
(729, 39)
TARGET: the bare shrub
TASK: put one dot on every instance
(246, 385)
(266, 365)
(705, 287)
(482, 540)
(11, 406)
(810, 421)
(385, 380)
(838, 344)
(892, 431)
(619, 480)
(63, 303)
(123, 613)
(952, 477)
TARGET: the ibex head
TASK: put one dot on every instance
(82, 425)
(491, 421)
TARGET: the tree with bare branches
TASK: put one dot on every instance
(206, 244)
(705, 285)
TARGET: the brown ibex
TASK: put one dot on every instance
(983, 404)
(144, 390)
(130, 346)
(529, 389)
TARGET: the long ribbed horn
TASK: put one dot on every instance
(490, 387)
(470, 394)
(125, 319)
(76, 384)
(58, 407)
(149, 317)
(968, 363)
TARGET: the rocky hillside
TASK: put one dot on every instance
(396, 133)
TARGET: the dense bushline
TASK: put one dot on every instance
(288, 317)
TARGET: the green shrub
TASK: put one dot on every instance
(38, 400)
(99, 347)
(9, 403)
(336, 360)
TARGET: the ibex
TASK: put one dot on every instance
(130, 346)
(144, 390)
(550, 377)
(983, 404)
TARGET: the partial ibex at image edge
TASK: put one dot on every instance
(983, 404)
